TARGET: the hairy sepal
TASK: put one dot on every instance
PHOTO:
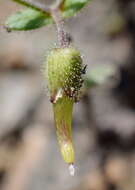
(64, 68)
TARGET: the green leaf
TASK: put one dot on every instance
(28, 19)
(71, 7)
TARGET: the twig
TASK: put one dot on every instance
(57, 4)
(63, 39)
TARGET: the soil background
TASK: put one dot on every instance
(103, 121)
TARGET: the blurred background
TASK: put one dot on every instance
(103, 121)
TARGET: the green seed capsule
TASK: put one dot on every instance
(64, 74)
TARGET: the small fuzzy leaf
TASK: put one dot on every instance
(71, 7)
(28, 19)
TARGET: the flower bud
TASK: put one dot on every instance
(64, 74)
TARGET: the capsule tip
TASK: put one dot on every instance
(72, 169)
